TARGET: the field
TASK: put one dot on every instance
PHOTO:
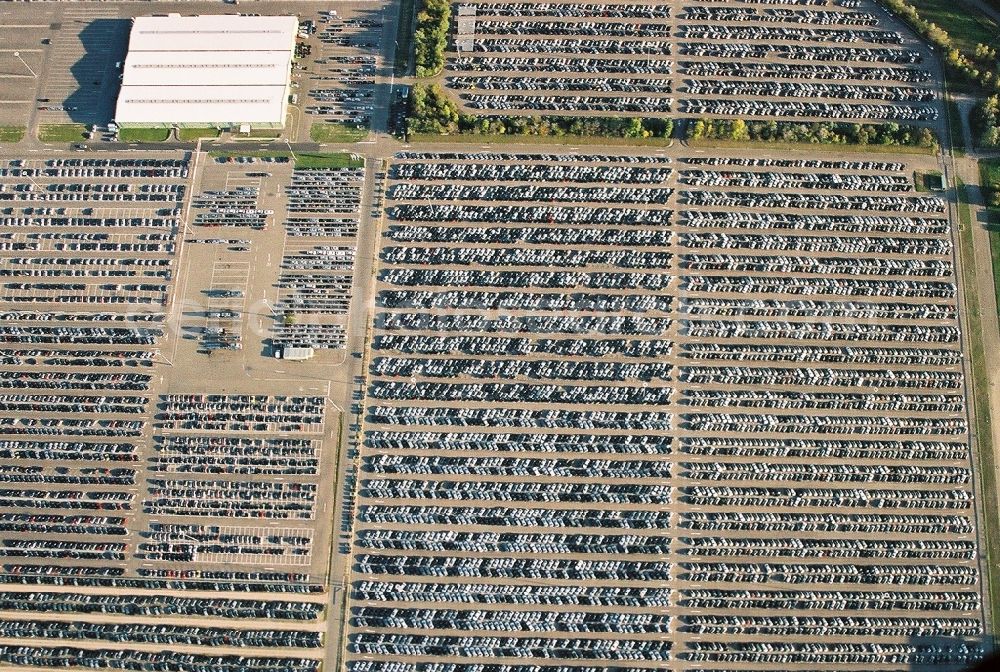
(964, 25)
(324, 161)
(920, 180)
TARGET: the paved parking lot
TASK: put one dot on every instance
(113, 289)
(21, 33)
(80, 68)
(627, 408)
(70, 52)
(836, 61)
(537, 339)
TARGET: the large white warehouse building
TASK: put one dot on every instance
(220, 71)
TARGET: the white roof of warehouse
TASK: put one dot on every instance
(225, 32)
(207, 69)
(201, 104)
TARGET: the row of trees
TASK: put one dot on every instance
(819, 132)
(556, 126)
(431, 37)
(979, 67)
(986, 122)
(433, 111)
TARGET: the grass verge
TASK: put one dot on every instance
(11, 133)
(263, 133)
(337, 132)
(404, 37)
(983, 425)
(62, 132)
(476, 138)
(192, 134)
(338, 160)
(143, 134)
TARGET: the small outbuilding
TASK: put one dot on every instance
(295, 353)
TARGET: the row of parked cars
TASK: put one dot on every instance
(154, 661)
(755, 60)
(316, 276)
(798, 337)
(84, 281)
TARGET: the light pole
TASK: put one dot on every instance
(17, 55)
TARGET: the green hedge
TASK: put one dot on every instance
(986, 123)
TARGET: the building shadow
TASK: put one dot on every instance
(954, 654)
(105, 43)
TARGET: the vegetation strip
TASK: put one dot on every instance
(433, 112)
(431, 37)
(336, 132)
(819, 132)
(980, 387)
(143, 134)
(989, 173)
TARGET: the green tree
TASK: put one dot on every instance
(635, 129)
(925, 138)
(738, 131)
(431, 37)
